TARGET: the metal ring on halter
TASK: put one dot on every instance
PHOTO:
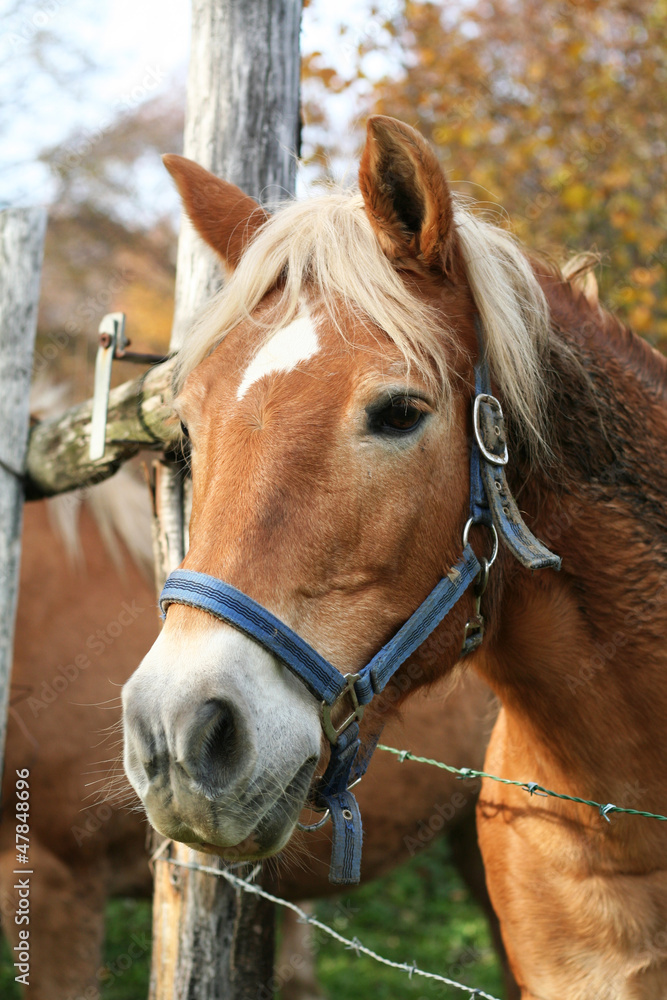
(490, 456)
(466, 531)
(309, 827)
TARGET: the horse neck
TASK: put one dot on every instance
(578, 657)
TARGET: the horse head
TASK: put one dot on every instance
(325, 394)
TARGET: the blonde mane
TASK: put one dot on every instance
(327, 246)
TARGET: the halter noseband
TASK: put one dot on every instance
(491, 504)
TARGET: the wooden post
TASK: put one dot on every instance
(242, 123)
(242, 119)
(21, 248)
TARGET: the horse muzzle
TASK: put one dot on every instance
(220, 743)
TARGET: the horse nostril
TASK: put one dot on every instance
(216, 751)
(151, 767)
(220, 734)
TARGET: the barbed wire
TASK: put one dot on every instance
(354, 944)
(531, 787)
(351, 944)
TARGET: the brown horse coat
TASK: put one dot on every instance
(328, 395)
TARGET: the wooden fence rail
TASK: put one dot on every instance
(139, 417)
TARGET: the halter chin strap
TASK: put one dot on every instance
(491, 504)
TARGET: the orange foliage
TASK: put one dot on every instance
(554, 111)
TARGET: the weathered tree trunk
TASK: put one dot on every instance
(21, 248)
(209, 941)
(139, 416)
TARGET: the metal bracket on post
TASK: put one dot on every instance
(113, 345)
(112, 341)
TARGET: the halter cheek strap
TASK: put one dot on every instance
(491, 500)
(491, 504)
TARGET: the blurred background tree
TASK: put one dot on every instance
(552, 113)
(112, 232)
(102, 252)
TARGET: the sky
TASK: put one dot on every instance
(140, 48)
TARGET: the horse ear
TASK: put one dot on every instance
(222, 214)
(407, 198)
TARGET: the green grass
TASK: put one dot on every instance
(8, 988)
(127, 953)
(421, 912)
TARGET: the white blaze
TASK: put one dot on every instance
(283, 352)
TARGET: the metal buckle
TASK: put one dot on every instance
(473, 635)
(326, 812)
(331, 731)
(494, 403)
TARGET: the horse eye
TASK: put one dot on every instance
(400, 416)
(184, 431)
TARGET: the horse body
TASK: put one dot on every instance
(579, 662)
(327, 394)
(75, 640)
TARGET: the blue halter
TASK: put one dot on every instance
(491, 504)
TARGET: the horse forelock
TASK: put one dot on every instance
(325, 248)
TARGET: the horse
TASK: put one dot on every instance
(326, 395)
(84, 617)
